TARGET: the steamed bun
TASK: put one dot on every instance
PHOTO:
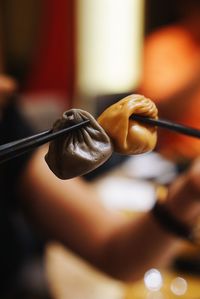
(129, 136)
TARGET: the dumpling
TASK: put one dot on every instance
(79, 151)
(129, 136)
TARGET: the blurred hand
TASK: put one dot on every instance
(184, 195)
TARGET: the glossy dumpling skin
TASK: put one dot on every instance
(129, 136)
(79, 151)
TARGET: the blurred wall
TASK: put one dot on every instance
(42, 44)
(38, 38)
(20, 27)
(53, 61)
(159, 13)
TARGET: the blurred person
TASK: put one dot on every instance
(17, 246)
(171, 78)
(71, 212)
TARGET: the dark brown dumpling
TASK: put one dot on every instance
(80, 151)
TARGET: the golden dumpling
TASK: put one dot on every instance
(129, 136)
(79, 151)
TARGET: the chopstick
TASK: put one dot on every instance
(168, 125)
(16, 148)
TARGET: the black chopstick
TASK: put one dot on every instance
(168, 125)
(16, 148)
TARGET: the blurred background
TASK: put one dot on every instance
(78, 50)
(89, 54)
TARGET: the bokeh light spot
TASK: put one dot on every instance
(153, 280)
(179, 286)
